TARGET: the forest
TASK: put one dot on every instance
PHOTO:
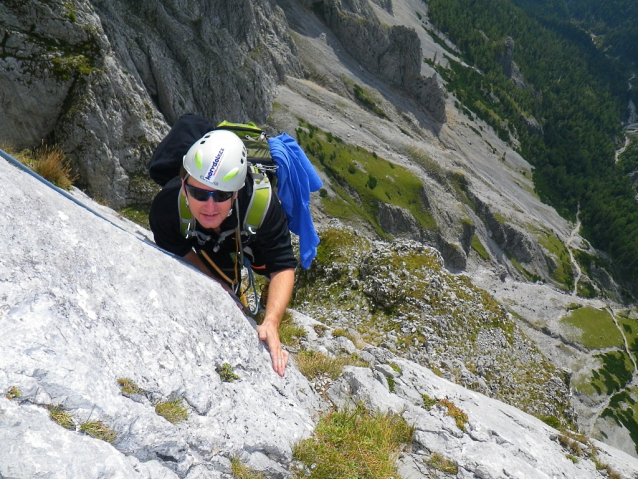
(565, 112)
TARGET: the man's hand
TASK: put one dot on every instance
(268, 332)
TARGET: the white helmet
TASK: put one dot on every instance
(219, 160)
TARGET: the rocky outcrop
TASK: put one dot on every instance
(391, 53)
(103, 79)
(385, 4)
(506, 60)
(61, 82)
(452, 237)
(515, 241)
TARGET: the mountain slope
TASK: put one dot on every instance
(105, 80)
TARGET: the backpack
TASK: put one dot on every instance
(167, 160)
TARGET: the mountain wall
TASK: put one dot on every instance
(103, 79)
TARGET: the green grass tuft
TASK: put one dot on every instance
(314, 364)
(243, 472)
(226, 373)
(172, 410)
(59, 415)
(98, 430)
(354, 443)
(13, 393)
(128, 387)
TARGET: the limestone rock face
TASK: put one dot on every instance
(86, 300)
(219, 59)
(72, 330)
(102, 79)
(391, 53)
(62, 83)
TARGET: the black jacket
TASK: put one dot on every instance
(269, 249)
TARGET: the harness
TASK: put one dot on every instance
(260, 168)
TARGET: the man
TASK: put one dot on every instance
(217, 190)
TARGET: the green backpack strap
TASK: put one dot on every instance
(242, 129)
(260, 200)
(187, 221)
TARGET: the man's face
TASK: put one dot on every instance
(208, 213)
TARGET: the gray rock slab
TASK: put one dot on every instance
(84, 303)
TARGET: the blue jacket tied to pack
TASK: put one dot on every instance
(296, 178)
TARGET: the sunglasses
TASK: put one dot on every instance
(198, 194)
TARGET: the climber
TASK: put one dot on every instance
(216, 187)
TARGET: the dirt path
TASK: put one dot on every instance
(575, 264)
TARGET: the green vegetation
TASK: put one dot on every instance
(396, 367)
(577, 99)
(551, 421)
(243, 472)
(290, 334)
(340, 332)
(623, 409)
(454, 412)
(128, 387)
(98, 430)
(440, 463)
(49, 162)
(391, 383)
(595, 328)
(362, 180)
(13, 393)
(226, 373)
(172, 410)
(614, 22)
(365, 98)
(353, 443)
(428, 402)
(376, 285)
(477, 246)
(59, 415)
(616, 373)
(137, 214)
(314, 364)
(563, 273)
